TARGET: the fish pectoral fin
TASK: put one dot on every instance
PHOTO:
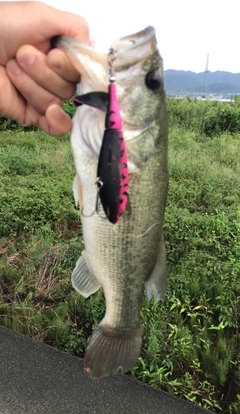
(156, 284)
(82, 279)
(77, 191)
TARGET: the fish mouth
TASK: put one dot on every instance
(133, 48)
(93, 64)
(135, 39)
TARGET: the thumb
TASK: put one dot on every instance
(67, 24)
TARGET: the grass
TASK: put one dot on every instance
(191, 341)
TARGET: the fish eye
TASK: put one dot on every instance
(153, 80)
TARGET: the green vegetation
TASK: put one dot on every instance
(191, 341)
(209, 118)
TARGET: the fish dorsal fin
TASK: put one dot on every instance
(97, 100)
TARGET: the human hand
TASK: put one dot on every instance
(34, 80)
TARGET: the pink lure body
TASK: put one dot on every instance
(114, 121)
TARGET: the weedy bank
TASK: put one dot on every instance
(191, 341)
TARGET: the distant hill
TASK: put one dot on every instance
(220, 82)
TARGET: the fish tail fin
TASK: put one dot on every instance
(110, 351)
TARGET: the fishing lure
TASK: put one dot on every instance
(112, 170)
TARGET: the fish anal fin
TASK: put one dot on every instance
(82, 279)
(110, 351)
(156, 284)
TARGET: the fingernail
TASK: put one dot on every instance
(13, 68)
(27, 59)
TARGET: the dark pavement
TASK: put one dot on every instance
(35, 378)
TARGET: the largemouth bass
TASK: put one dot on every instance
(124, 257)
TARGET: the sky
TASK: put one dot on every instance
(187, 30)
